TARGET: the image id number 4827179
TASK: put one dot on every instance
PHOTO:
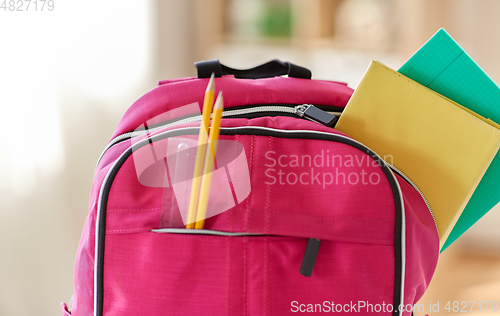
(27, 5)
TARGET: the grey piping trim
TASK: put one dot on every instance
(403, 242)
(202, 232)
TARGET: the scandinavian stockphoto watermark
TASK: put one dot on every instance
(322, 169)
(166, 159)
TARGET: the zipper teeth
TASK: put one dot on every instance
(196, 118)
(403, 242)
(417, 189)
(266, 108)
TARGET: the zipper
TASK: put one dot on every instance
(307, 111)
(307, 262)
(407, 179)
(314, 114)
(311, 112)
(202, 232)
(399, 242)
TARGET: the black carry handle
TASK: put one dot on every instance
(270, 69)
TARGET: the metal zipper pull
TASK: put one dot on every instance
(313, 113)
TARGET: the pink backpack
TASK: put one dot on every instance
(307, 219)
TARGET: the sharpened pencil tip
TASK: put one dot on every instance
(219, 103)
(211, 83)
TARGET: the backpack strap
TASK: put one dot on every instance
(268, 70)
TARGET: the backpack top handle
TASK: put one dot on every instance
(270, 69)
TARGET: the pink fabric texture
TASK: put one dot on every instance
(237, 92)
(150, 273)
(421, 243)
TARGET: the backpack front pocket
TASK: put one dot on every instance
(325, 193)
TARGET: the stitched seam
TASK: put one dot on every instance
(335, 217)
(228, 274)
(257, 239)
(197, 237)
(245, 276)
(252, 156)
(268, 196)
(329, 237)
(129, 230)
(245, 239)
(266, 245)
(144, 210)
(231, 214)
(266, 268)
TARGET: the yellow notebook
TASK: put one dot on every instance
(441, 146)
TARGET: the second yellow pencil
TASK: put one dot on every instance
(201, 212)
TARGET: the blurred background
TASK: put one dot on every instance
(68, 75)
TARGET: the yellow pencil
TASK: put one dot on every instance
(200, 152)
(209, 163)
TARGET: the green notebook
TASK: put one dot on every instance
(443, 66)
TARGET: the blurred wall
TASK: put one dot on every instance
(474, 24)
(185, 31)
(66, 78)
